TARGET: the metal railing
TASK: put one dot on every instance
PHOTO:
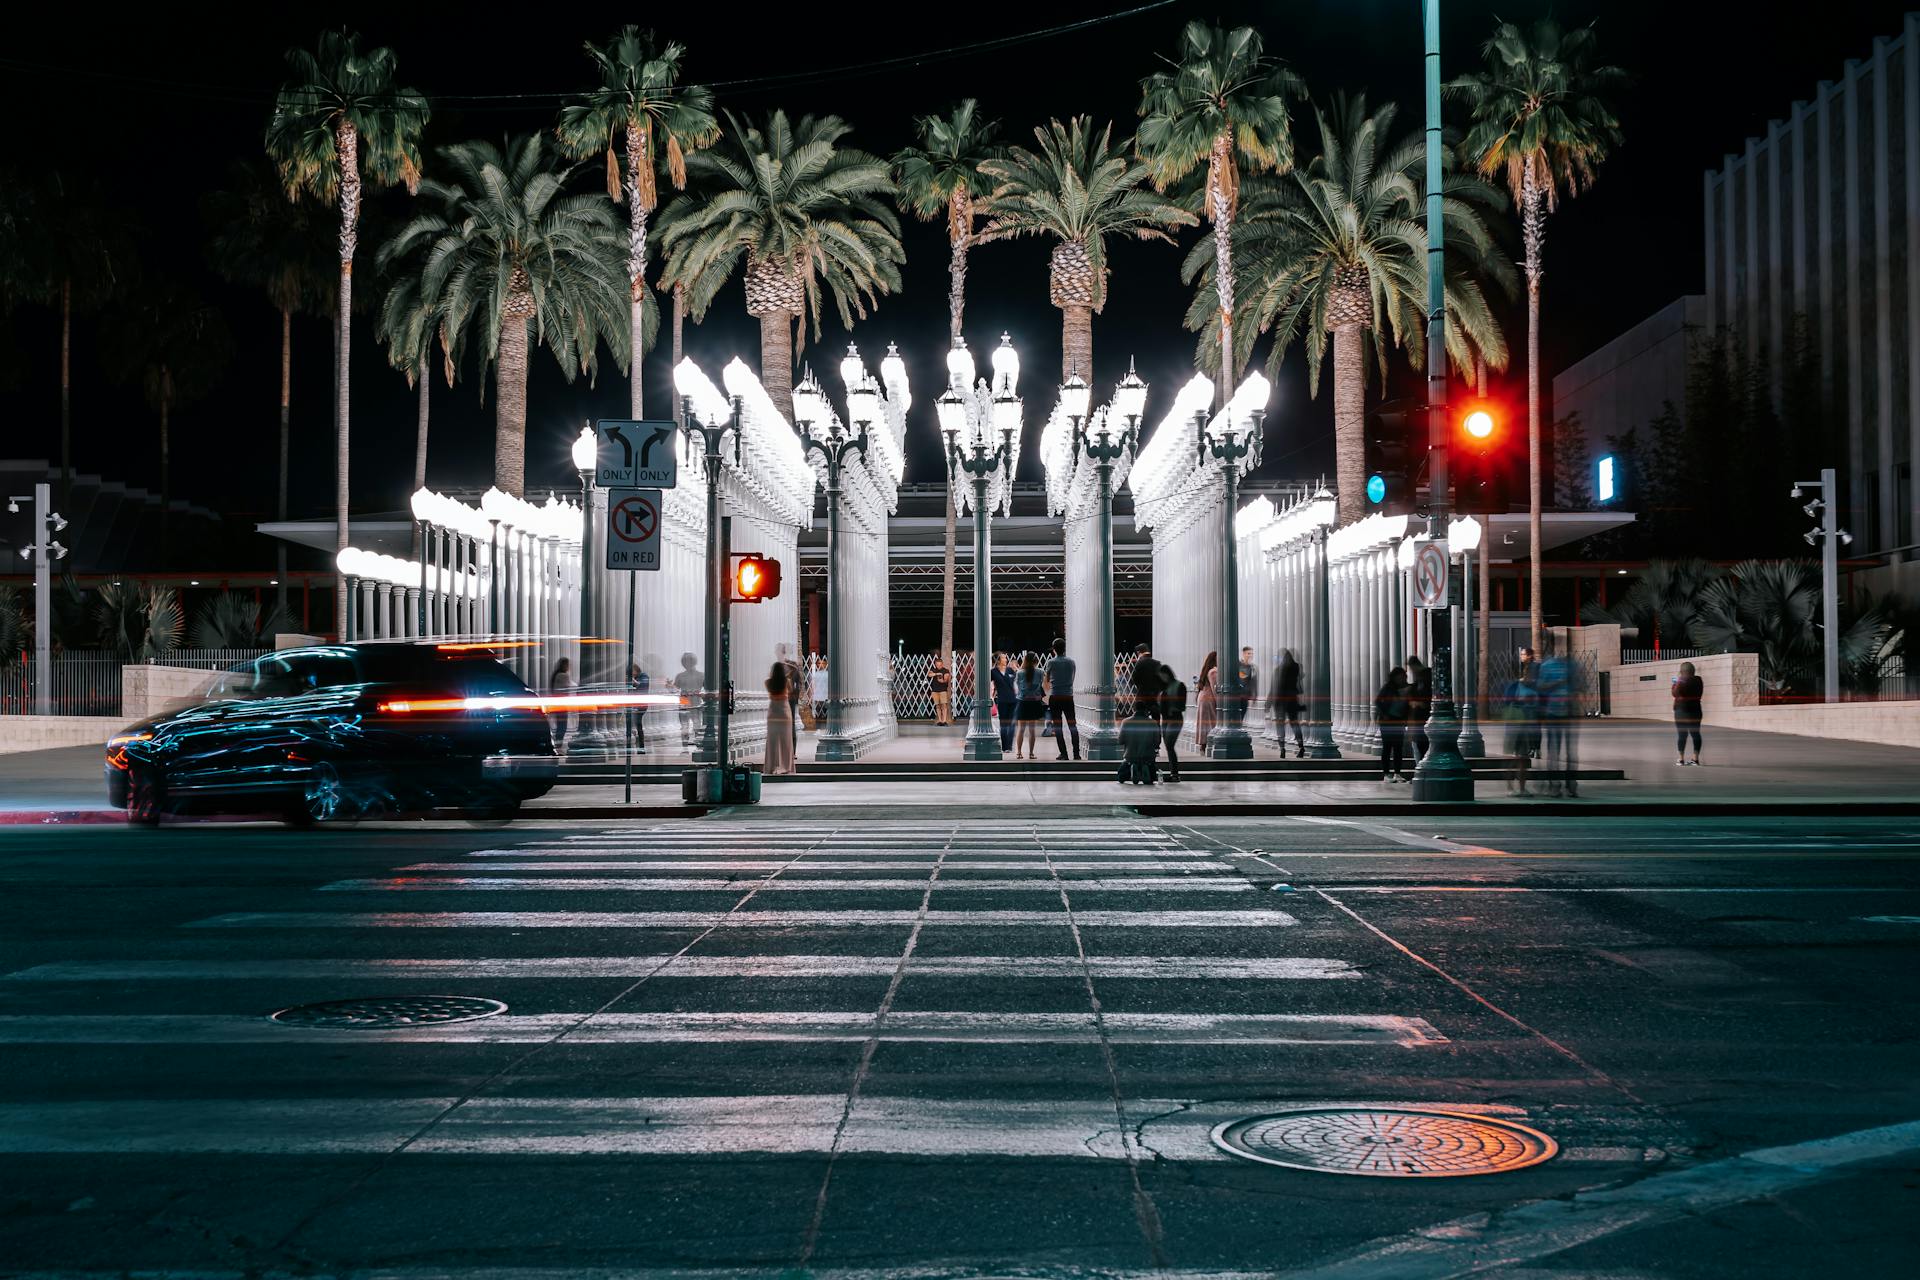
(1665, 654)
(84, 684)
(913, 686)
(208, 659)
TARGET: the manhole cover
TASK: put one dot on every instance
(381, 1012)
(1386, 1142)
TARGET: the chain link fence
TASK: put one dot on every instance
(913, 685)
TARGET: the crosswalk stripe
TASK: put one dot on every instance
(824, 919)
(760, 966)
(470, 884)
(568, 864)
(774, 1124)
(921, 1026)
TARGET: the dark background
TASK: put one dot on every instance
(160, 120)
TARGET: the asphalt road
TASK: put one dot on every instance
(919, 1045)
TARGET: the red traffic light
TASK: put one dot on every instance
(755, 578)
(1480, 424)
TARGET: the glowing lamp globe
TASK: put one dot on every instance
(853, 370)
(585, 449)
(1130, 397)
(1006, 365)
(1074, 397)
(960, 367)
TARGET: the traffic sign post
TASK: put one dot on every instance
(1431, 575)
(633, 529)
(636, 455)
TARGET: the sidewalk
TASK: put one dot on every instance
(1745, 772)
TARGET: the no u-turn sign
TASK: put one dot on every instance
(633, 528)
(1430, 575)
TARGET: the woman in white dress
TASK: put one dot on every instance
(779, 722)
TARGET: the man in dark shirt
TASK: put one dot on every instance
(1060, 673)
(1005, 700)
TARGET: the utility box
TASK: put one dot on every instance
(737, 784)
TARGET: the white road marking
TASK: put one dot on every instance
(918, 884)
(921, 865)
(1542, 1228)
(1399, 836)
(760, 966)
(964, 1027)
(824, 919)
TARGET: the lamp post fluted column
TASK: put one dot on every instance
(1104, 449)
(979, 465)
(1228, 446)
(1320, 745)
(713, 725)
(834, 448)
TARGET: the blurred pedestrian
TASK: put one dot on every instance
(688, 683)
(1005, 700)
(1173, 714)
(1688, 689)
(638, 681)
(1559, 719)
(780, 749)
(1521, 708)
(1283, 702)
(1249, 678)
(1030, 697)
(1140, 733)
(1207, 686)
(818, 688)
(1419, 706)
(565, 721)
(940, 683)
(1060, 672)
(1390, 713)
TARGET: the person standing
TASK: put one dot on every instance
(1060, 673)
(688, 683)
(1522, 712)
(1173, 710)
(1208, 687)
(1249, 678)
(940, 684)
(1390, 712)
(561, 682)
(819, 693)
(780, 747)
(1030, 697)
(1141, 733)
(1283, 703)
(638, 681)
(1005, 700)
(796, 691)
(1419, 705)
(1688, 690)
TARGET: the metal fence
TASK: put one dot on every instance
(1631, 656)
(1504, 665)
(84, 684)
(208, 659)
(913, 686)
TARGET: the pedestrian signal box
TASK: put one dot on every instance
(755, 578)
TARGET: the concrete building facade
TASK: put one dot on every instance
(1631, 381)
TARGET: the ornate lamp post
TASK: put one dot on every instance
(1104, 448)
(585, 448)
(809, 408)
(706, 416)
(1231, 438)
(1320, 683)
(971, 415)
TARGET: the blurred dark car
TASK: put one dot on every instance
(341, 731)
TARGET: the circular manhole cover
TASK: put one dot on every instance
(380, 1013)
(1386, 1142)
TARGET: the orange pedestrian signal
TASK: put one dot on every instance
(755, 578)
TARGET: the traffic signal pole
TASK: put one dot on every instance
(1442, 773)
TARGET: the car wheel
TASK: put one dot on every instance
(146, 796)
(323, 798)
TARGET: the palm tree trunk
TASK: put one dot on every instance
(286, 431)
(66, 395)
(510, 404)
(636, 259)
(956, 289)
(679, 315)
(1533, 237)
(776, 360)
(346, 142)
(1349, 422)
(1222, 215)
(420, 436)
(1076, 341)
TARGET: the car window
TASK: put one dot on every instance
(274, 677)
(235, 682)
(322, 671)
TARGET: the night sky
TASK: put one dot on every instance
(158, 107)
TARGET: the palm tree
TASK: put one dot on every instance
(338, 116)
(638, 100)
(176, 347)
(500, 245)
(1079, 187)
(1540, 118)
(61, 246)
(1340, 248)
(1224, 104)
(801, 211)
(262, 240)
(940, 176)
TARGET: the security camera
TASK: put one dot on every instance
(1794, 492)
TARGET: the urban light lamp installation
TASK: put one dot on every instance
(971, 415)
(706, 416)
(810, 408)
(1104, 448)
(1231, 438)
